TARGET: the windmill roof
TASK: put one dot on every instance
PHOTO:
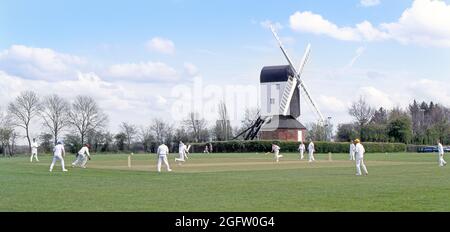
(278, 73)
(282, 122)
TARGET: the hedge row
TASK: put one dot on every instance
(321, 147)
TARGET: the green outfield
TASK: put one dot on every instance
(227, 182)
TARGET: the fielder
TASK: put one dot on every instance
(311, 151)
(34, 150)
(162, 152)
(301, 149)
(58, 154)
(352, 150)
(359, 148)
(276, 151)
(82, 157)
(442, 162)
(182, 151)
(206, 149)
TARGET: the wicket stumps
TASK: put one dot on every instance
(329, 157)
(129, 161)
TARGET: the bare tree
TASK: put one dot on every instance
(130, 130)
(223, 130)
(23, 110)
(5, 133)
(161, 130)
(86, 116)
(250, 116)
(197, 126)
(146, 137)
(55, 114)
(362, 112)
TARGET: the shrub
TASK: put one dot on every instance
(321, 147)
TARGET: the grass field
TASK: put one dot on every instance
(227, 182)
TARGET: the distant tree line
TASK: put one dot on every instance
(420, 123)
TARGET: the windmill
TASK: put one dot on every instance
(281, 89)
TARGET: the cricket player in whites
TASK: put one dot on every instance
(311, 151)
(34, 150)
(182, 151)
(162, 152)
(442, 162)
(359, 148)
(276, 151)
(352, 150)
(82, 157)
(58, 154)
(301, 149)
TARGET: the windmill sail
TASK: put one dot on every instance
(283, 108)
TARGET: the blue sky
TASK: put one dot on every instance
(400, 50)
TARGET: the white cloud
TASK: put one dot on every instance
(316, 24)
(161, 45)
(331, 103)
(430, 90)
(39, 63)
(369, 3)
(426, 22)
(191, 69)
(144, 71)
(375, 97)
(125, 101)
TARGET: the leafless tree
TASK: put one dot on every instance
(362, 112)
(250, 116)
(223, 130)
(146, 137)
(55, 114)
(197, 126)
(86, 116)
(23, 109)
(130, 130)
(161, 130)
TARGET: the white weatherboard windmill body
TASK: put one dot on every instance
(281, 89)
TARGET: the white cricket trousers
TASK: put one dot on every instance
(60, 158)
(163, 158)
(311, 156)
(181, 158)
(441, 160)
(352, 155)
(301, 154)
(80, 161)
(359, 164)
(34, 155)
(278, 156)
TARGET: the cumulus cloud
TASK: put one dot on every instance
(369, 3)
(332, 103)
(121, 101)
(161, 45)
(430, 90)
(426, 23)
(39, 63)
(316, 24)
(375, 97)
(144, 71)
